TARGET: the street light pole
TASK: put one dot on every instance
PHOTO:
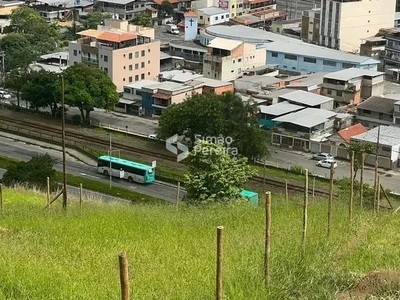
(64, 203)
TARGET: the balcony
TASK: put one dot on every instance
(90, 60)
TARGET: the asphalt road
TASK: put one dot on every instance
(24, 151)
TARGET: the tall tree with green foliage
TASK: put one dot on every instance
(95, 18)
(359, 149)
(33, 173)
(214, 175)
(40, 90)
(166, 9)
(19, 51)
(210, 115)
(86, 88)
(143, 20)
(15, 81)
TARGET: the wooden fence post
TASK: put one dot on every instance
(362, 180)
(220, 256)
(378, 196)
(351, 186)
(177, 194)
(1, 198)
(286, 191)
(330, 200)
(267, 236)
(305, 213)
(80, 195)
(124, 276)
(48, 193)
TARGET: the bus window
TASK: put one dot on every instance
(150, 171)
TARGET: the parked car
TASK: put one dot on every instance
(153, 136)
(327, 163)
(4, 95)
(322, 156)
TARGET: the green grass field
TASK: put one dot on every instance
(171, 252)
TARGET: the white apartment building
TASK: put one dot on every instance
(345, 22)
(212, 15)
(226, 60)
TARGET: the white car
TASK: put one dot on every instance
(4, 95)
(327, 163)
(323, 156)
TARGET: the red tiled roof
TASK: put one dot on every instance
(170, 1)
(116, 37)
(190, 14)
(162, 96)
(351, 131)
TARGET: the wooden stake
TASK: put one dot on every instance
(267, 236)
(286, 191)
(177, 194)
(351, 186)
(362, 179)
(80, 195)
(124, 276)
(378, 194)
(305, 214)
(375, 185)
(330, 200)
(387, 197)
(48, 193)
(1, 198)
(220, 230)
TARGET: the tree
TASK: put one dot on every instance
(210, 115)
(18, 50)
(16, 80)
(359, 149)
(166, 9)
(40, 90)
(215, 176)
(33, 173)
(95, 18)
(86, 88)
(43, 36)
(143, 20)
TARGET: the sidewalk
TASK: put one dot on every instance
(72, 152)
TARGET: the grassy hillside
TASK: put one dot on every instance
(47, 255)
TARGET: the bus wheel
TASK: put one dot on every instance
(105, 172)
(130, 179)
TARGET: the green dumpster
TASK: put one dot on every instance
(252, 197)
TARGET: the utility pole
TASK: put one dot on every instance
(110, 162)
(3, 71)
(64, 203)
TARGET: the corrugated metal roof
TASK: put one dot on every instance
(389, 135)
(209, 11)
(307, 98)
(351, 73)
(308, 117)
(279, 109)
(378, 104)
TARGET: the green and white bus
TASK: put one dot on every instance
(132, 171)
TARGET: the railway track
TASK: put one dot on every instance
(48, 130)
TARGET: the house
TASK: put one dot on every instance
(6, 9)
(257, 83)
(387, 139)
(54, 10)
(227, 59)
(345, 23)
(310, 21)
(309, 83)
(307, 99)
(342, 138)
(352, 85)
(379, 110)
(260, 19)
(269, 112)
(271, 97)
(212, 15)
(307, 58)
(373, 46)
(157, 97)
(179, 76)
(122, 9)
(392, 54)
(304, 129)
(53, 62)
(217, 87)
(127, 53)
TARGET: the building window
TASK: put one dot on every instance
(329, 63)
(291, 56)
(136, 77)
(105, 58)
(339, 93)
(366, 111)
(136, 66)
(201, 17)
(239, 60)
(123, 79)
(130, 68)
(274, 54)
(148, 50)
(329, 92)
(106, 70)
(310, 60)
(148, 62)
(222, 17)
(127, 90)
(130, 55)
(124, 55)
(137, 54)
(142, 64)
(75, 52)
(216, 18)
(347, 66)
(143, 53)
(130, 79)
(138, 93)
(148, 73)
(142, 76)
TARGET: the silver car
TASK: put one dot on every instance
(327, 164)
(323, 156)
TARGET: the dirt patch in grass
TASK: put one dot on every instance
(376, 283)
